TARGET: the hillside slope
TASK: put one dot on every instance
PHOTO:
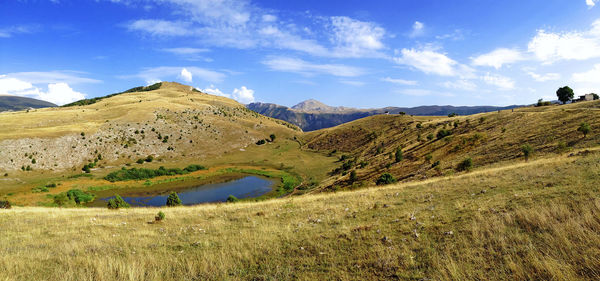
(313, 115)
(170, 122)
(14, 103)
(368, 146)
(534, 221)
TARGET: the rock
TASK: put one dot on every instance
(449, 232)
(386, 239)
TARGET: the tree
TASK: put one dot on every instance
(584, 128)
(527, 151)
(117, 202)
(353, 177)
(565, 94)
(465, 165)
(173, 200)
(596, 96)
(398, 154)
(386, 178)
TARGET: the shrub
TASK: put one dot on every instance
(584, 128)
(86, 168)
(117, 202)
(173, 200)
(430, 136)
(79, 196)
(272, 136)
(61, 199)
(232, 199)
(150, 158)
(5, 204)
(443, 133)
(527, 151)
(51, 185)
(452, 115)
(260, 142)
(398, 154)
(194, 167)
(353, 177)
(140, 161)
(419, 125)
(465, 165)
(428, 157)
(160, 216)
(435, 164)
(143, 173)
(386, 178)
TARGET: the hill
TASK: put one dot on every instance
(313, 115)
(536, 220)
(435, 146)
(14, 103)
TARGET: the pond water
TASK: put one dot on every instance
(246, 187)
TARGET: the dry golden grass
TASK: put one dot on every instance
(532, 221)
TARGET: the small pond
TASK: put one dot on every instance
(246, 187)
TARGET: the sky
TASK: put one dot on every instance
(351, 53)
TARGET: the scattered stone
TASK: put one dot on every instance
(386, 239)
(415, 233)
(449, 232)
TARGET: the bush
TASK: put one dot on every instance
(452, 115)
(584, 128)
(160, 216)
(398, 155)
(435, 164)
(173, 200)
(5, 204)
(261, 142)
(465, 165)
(442, 134)
(527, 151)
(353, 176)
(386, 178)
(430, 136)
(79, 196)
(272, 136)
(117, 202)
(419, 125)
(150, 158)
(140, 161)
(61, 199)
(232, 199)
(143, 173)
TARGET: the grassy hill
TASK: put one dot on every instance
(368, 146)
(14, 103)
(535, 220)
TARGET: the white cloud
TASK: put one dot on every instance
(58, 93)
(591, 76)
(300, 66)
(355, 38)
(502, 82)
(418, 29)
(462, 84)
(161, 27)
(415, 92)
(186, 51)
(269, 18)
(243, 95)
(590, 3)
(37, 77)
(285, 40)
(186, 75)
(399, 81)
(550, 47)
(543, 77)
(498, 57)
(428, 61)
(353, 83)
(9, 31)
(162, 73)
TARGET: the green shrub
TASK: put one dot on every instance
(527, 151)
(80, 196)
(465, 165)
(143, 173)
(232, 199)
(386, 178)
(150, 158)
(452, 115)
(443, 133)
(51, 185)
(419, 125)
(430, 136)
(261, 142)
(435, 164)
(117, 202)
(353, 176)
(61, 199)
(140, 161)
(398, 154)
(272, 136)
(160, 216)
(584, 128)
(173, 200)
(5, 204)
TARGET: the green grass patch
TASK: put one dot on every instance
(143, 173)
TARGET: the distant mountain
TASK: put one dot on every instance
(15, 103)
(313, 115)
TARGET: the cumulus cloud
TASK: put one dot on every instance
(185, 75)
(399, 81)
(543, 77)
(303, 67)
(57, 93)
(498, 58)
(354, 38)
(591, 76)
(591, 3)
(502, 82)
(428, 61)
(10, 31)
(242, 95)
(550, 47)
(161, 27)
(163, 73)
(418, 29)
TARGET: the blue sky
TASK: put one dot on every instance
(350, 53)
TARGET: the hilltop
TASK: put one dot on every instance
(14, 103)
(313, 115)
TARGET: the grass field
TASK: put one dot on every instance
(536, 220)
